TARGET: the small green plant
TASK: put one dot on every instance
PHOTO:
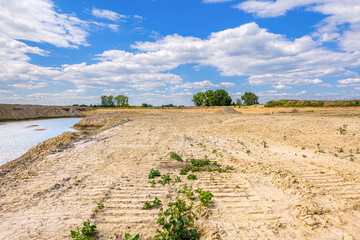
(86, 232)
(187, 191)
(336, 155)
(322, 172)
(176, 157)
(304, 156)
(185, 171)
(191, 145)
(100, 205)
(200, 162)
(153, 183)
(165, 180)
(343, 129)
(154, 173)
(204, 196)
(214, 151)
(153, 204)
(248, 151)
(128, 236)
(216, 164)
(341, 150)
(177, 179)
(191, 177)
(264, 144)
(177, 222)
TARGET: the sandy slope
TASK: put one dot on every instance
(295, 188)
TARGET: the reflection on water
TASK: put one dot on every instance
(18, 137)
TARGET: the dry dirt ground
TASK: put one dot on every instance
(295, 177)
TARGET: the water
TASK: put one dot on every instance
(16, 138)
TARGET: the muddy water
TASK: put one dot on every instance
(18, 137)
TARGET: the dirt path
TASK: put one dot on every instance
(287, 182)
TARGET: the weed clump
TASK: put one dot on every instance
(165, 180)
(343, 129)
(153, 204)
(177, 222)
(86, 232)
(204, 197)
(200, 162)
(191, 177)
(154, 173)
(128, 236)
(176, 157)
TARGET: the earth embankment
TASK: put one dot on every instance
(12, 112)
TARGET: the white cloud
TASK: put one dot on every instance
(349, 81)
(37, 21)
(227, 84)
(338, 15)
(106, 14)
(281, 86)
(206, 84)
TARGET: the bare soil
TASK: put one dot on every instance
(296, 176)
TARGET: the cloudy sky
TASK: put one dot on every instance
(161, 51)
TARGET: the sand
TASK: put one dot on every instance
(295, 177)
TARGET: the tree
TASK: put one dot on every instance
(210, 98)
(238, 102)
(199, 99)
(107, 101)
(146, 105)
(250, 98)
(121, 101)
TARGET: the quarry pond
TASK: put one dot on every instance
(19, 136)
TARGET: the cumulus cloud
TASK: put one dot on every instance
(37, 21)
(281, 86)
(252, 51)
(342, 21)
(206, 84)
(106, 14)
(227, 84)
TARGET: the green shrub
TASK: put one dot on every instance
(153, 204)
(86, 232)
(154, 173)
(187, 191)
(200, 162)
(177, 222)
(204, 196)
(191, 177)
(173, 155)
(165, 180)
(128, 236)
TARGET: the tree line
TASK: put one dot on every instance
(117, 101)
(221, 98)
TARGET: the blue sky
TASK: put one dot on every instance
(161, 51)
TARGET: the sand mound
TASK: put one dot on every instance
(228, 110)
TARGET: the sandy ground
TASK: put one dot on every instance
(296, 176)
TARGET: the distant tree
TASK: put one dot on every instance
(146, 105)
(238, 102)
(121, 100)
(250, 98)
(168, 105)
(212, 98)
(107, 101)
(110, 100)
(199, 99)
